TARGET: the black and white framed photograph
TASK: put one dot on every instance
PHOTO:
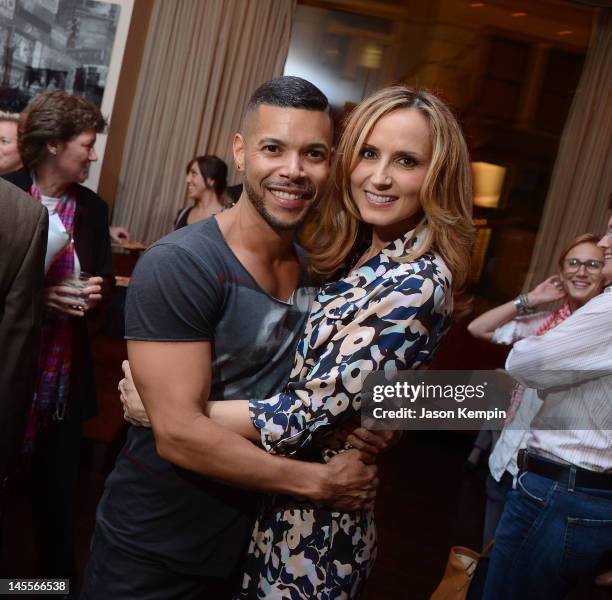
(72, 45)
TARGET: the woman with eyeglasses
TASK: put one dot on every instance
(579, 279)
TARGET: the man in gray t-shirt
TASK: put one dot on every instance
(191, 287)
(216, 310)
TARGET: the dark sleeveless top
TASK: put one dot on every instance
(181, 218)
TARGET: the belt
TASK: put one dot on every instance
(561, 472)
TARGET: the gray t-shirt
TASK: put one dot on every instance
(190, 286)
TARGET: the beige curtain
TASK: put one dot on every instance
(581, 183)
(202, 61)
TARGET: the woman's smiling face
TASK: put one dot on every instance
(386, 183)
(196, 186)
(582, 284)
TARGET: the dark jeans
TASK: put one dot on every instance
(551, 536)
(114, 573)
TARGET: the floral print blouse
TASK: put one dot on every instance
(384, 316)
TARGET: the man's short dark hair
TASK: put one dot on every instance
(289, 92)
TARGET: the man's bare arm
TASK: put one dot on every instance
(173, 379)
(234, 415)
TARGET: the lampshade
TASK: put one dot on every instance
(371, 55)
(488, 183)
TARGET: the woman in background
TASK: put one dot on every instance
(57, 133)
(578, 280)
(206, 182)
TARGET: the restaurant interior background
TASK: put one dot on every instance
(509, 68)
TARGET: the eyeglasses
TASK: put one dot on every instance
(572, 265)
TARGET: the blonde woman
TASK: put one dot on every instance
(393, 239)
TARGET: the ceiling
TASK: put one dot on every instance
(559, 21)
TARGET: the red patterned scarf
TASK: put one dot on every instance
(55, 356)
(517, 393)
(557, 317)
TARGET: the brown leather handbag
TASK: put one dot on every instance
(460, 568)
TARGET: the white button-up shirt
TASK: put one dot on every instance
(561, 364)
(515, 434)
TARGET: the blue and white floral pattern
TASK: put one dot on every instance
(386, 315)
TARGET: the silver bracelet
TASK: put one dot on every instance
(522, 304)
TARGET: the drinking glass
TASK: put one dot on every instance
(78, 283)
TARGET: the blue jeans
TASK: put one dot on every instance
(551, 536)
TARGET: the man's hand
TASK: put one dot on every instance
(372, 443)
(133, 409)
(349, 484)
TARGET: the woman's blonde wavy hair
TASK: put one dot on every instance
(446, 196)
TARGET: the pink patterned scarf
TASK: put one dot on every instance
(555, 318)
(55, 356)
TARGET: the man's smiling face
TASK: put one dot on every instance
(285, 154)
